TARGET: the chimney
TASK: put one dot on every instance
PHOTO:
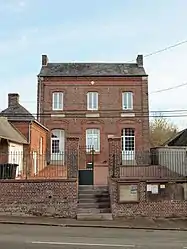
(139, 60)
(13, 99)
(44, 60)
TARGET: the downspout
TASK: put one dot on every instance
(29, 150)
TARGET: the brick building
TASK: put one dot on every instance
(94, 101)
(34, 132)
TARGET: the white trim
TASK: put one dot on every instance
(92, 115)
(126, 114)
(128, 155)
(91, 97)
(93, 139)
(60, 136)
(41, 146)
(126, 96)
(58, 115)
(58, 102)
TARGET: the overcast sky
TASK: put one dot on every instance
(99, 30)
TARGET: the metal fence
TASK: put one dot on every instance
(154, 164)
(35, 165)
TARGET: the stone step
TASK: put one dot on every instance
(94, 200)
(93, 195)
(92, 217)
(93, 210)
(96, 192)
(94, 205)
(91, 187)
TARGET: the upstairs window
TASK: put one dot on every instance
(58, 101)
(92, 101)
(127, 100)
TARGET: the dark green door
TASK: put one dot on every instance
(86, 177)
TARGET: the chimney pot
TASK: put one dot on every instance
(13, 99)
(44, 60)
(139, 60)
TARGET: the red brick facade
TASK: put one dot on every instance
(110, 122)
(74, 120)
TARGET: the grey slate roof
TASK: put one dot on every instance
(7, 131)
(17, 112)
(92, 69)
(179, 139)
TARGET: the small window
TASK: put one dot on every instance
(127, 100)
(41, 145)
(128, 193)
(92, 101)
(58, 101)
(93, 140)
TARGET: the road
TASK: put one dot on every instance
(43, 237)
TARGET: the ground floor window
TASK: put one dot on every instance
(57, 144)
(93, 140)
(128, 144)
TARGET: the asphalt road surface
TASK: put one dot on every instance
(41, 237)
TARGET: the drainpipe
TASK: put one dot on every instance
(29, 141)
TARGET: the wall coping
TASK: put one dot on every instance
(36, 180)
(148, 180)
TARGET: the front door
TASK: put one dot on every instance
(86, 172)
(57, 146)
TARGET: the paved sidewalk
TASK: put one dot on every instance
(123, 223)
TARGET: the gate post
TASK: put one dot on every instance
(115, 156)
(72, 146)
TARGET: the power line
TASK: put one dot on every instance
(169, 88)
(164, 49)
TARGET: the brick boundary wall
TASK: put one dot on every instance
(144, 208)
(53, 198)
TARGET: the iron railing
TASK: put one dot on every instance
(153, 164)
(36, 165)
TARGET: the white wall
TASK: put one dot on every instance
(16, 156)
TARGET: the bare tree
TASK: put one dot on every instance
(161, 130)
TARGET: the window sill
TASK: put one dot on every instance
(92, 115)
(128, 114)
(58, 115)
(95, 153)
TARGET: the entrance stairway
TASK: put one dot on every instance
(94, 203)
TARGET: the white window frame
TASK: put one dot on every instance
(126, 98)
(60, 136)
(130, 153)
(91, 97)
(58, 101)
(93, 139)
(41, 146)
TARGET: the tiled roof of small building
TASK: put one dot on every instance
(9, 132)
